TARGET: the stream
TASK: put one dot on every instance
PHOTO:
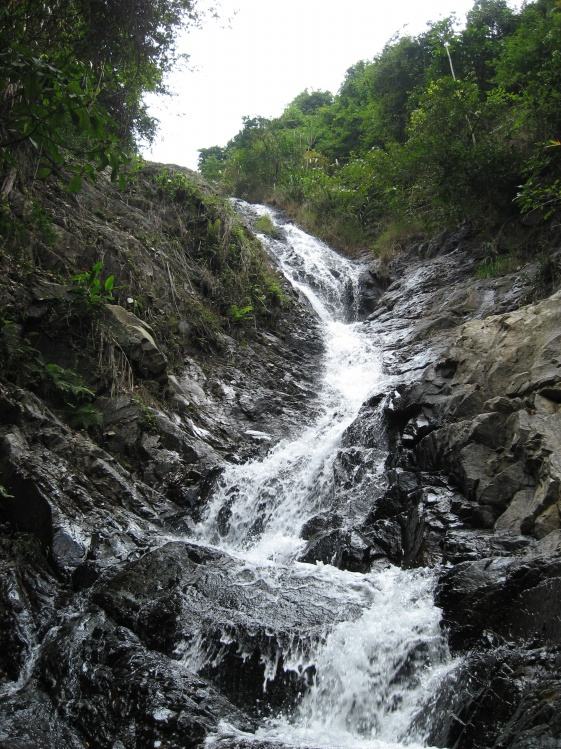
(371, 672)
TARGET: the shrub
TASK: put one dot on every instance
(90, 288)
(241, 314)
(264, 225)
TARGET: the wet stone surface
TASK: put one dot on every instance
(117, 632)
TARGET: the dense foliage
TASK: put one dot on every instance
(448, 125)
(72, 77)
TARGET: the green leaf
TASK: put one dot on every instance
(75, 184)
(109, 284)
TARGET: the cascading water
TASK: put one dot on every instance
(267, 501)
(374, 673)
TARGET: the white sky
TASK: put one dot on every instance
(261, 53)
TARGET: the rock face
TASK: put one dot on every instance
(90, 652)
(222, 616)
(492, 407)
(113, 691)
(136, 340)
(112, 635)
(474, 425)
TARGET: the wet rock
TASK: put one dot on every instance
(348, 550)
(200, 605)
(122, 423)
(502, 599)
(136, 339)
(464, 545)
(86, 505)
(320, 524)
(27, 508)
(415, 429)
(66, 490)
(371, 286)
(506, 699)
(397, 524)
(67, 550)
(232, 739)
(172, 437)
(29, 720)
(28, 601)
(108, 686)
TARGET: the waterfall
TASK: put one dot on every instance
(376, 671)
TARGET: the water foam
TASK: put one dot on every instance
(373, 673)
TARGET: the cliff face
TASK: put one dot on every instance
(121, 403)
(474, 423)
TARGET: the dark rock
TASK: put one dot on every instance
(136, 339)
(348, 550)
(67, 551)
(319, 524)
(415, 429)
(506, 699)
(198, 603)
(172, 437)
(122, 423)
(371, 286)
(28, 601)
(463, 545)
(106, 684)
(29, 720)
(504, 599)
(385, 535)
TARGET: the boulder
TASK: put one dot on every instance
(228, 618)
(498, 599)
(105, 683)
(508, 698)
(136, 339)
(346, 549)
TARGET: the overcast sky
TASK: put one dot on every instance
(261, 53)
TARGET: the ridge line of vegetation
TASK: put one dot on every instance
(410, 144)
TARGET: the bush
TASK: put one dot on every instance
(90, 288)
(264, 225)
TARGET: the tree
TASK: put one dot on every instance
(72, 78)
(212, 162)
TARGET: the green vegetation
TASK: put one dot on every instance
(497, 265)
(64, 388)
(68, 390)
(90, 288)
(227, 268)
(394, 238)
(409, 141)
(73, 74)
(67, 383)
(239, 314)
(264, 225)
(20, 361)
(147, 414)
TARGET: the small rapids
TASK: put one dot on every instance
(372, 674)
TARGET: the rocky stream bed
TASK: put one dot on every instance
(346, 533)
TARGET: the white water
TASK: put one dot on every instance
(375, 673)
(294, 481)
